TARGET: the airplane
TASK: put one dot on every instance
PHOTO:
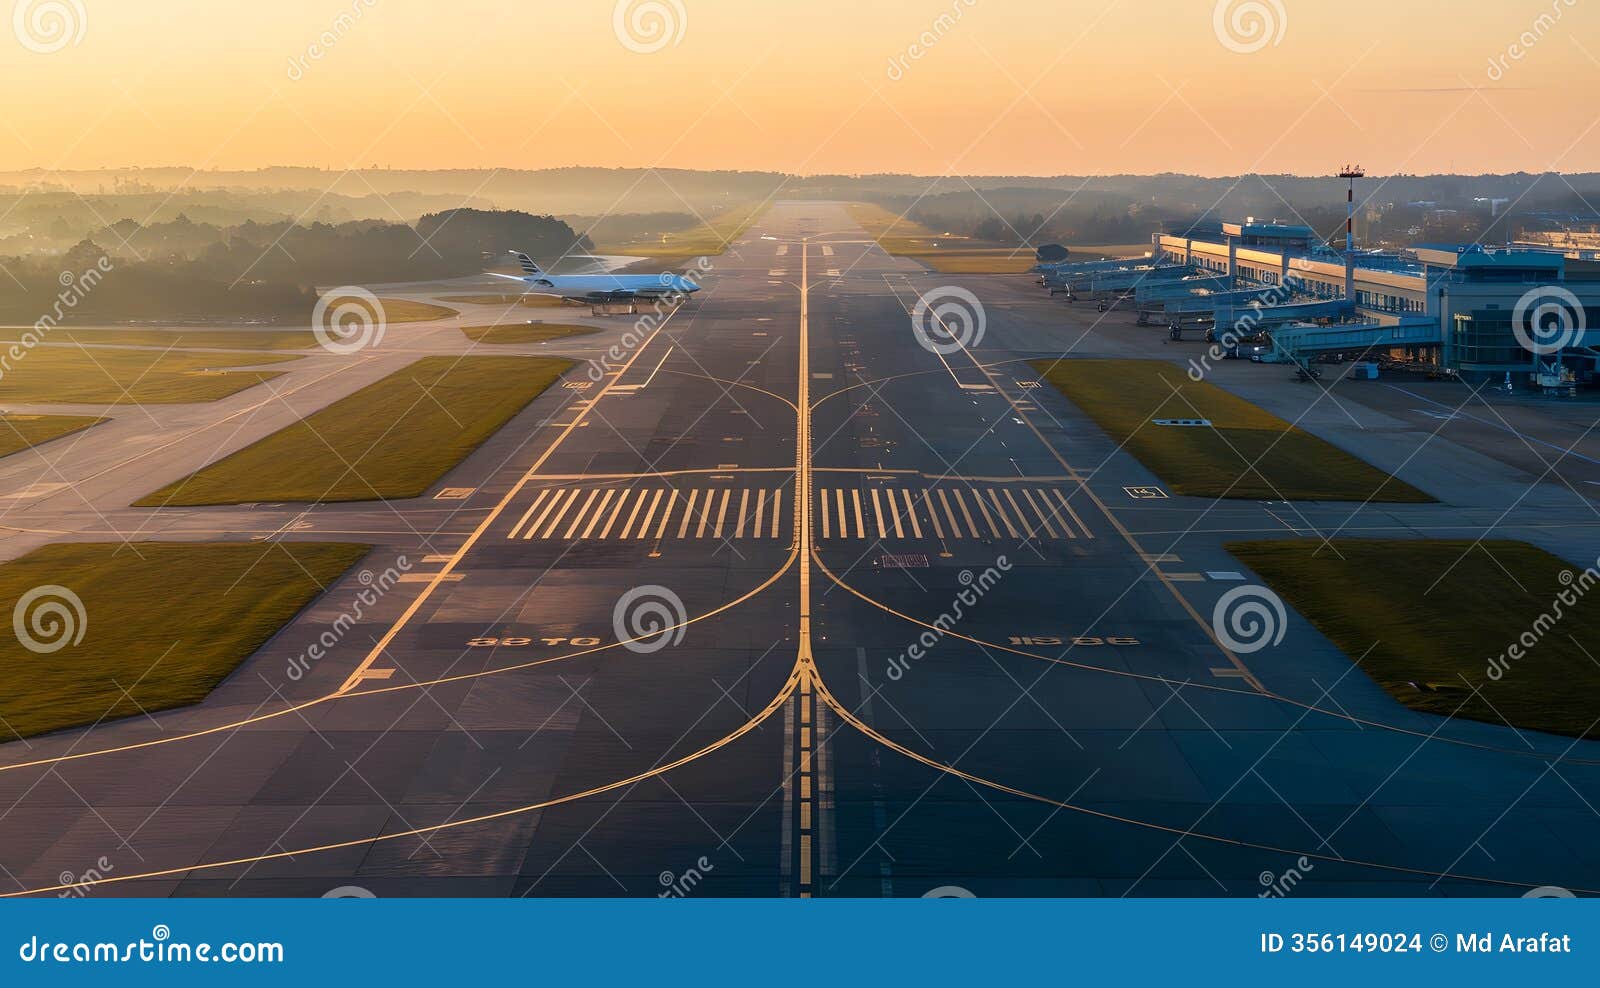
(599, 289)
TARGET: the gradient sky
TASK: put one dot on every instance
(1013, 87)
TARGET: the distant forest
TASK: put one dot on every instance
(267, 272)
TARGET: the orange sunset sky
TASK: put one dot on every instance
(808, 86)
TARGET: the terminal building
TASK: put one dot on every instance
(1453, 306)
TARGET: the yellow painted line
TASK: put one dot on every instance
(666, 515)
(722, 512)
(861, 522)
(744, 505)
(688, 514)
(633, 780)
(911, 512)
(877, 513)
(514, 529)
(599, 513)
(493, 516)
(633, 515)
(805, 816)
(578, 519)
(844, 521)
(1056, 515)
(705, 515)
(644, 526)
(533, 529)
(933, 515)
(425, 577)
(1087, 533)
(1049, 529)
(827, 525)
(1001, 511)
(977, 499)
(616, 512)
(955, 528)
(777, 511)
(556, 518)
(761, 510)
(1186, 577)
(1022, 516)
(961, 502)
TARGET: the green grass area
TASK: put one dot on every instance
(110, 376)
(220, 339)
(164, 621)
(529, 332)
(1249, 452)
(707, 239)
(20, 432)
(392, 439)
(942, 252)
(951, 254)
(399, 310)
(1420, 615)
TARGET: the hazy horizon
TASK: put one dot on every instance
(816, 88)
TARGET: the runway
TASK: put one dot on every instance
(779, 602)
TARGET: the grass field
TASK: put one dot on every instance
(220, 339)
(950, 254)
(530, 332)
(1429, 649)
(69, 375)
(165, 621)
(1248, 453)
(399, 310)
(946, 254)
(20, 432)
(392, 439)
(527, 301)
(708, 239)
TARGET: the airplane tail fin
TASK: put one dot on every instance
(528, 267)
